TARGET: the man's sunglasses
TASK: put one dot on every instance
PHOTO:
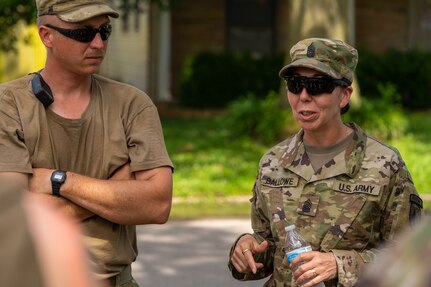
(314, 86)
(84, 35)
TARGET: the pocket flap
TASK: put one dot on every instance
(343, 222)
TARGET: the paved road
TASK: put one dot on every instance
(188, 253)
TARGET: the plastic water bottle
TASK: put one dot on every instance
(295, 244)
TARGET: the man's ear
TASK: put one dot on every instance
(45, 35)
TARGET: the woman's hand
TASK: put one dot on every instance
(313, 267)
(242, 257)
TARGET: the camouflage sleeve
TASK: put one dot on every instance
(262, 231)
(403, 205)
(350, 264)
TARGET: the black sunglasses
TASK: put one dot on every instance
(84, 35)
(314, 86)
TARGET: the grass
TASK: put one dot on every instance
(208, 162)
(205, 208)
(415, 149)
(211, 166)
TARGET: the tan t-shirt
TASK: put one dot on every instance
(321, 155)
(120, 125)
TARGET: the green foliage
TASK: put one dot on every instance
(408, 72)
(381, 116)
(208, 162)
(261, 119)
(11, 12)
(214, 79)
(210, 207)
(14, 11)
(415, 149)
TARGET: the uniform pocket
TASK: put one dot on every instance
(340, 228)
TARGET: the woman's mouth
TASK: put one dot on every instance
(307, 115)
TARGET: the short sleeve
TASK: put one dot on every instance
(14, 153)
(145, 141)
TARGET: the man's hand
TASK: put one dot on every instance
(242, 257)
(40, 181)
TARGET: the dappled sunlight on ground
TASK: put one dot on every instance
(188, 253)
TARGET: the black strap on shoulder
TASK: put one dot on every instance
(41, 90)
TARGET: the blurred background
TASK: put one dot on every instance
(211, 67)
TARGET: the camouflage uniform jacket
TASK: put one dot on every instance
(356, 201)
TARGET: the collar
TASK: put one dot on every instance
(296, 159)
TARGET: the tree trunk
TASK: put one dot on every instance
(333, 19)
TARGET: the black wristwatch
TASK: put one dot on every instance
(58, 177)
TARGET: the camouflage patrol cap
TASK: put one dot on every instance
(331, 57)
(74, 10)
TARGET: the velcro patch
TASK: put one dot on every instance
(366, 188)
(416, 200)
(279, 181)
(308, 204)
(416, 206)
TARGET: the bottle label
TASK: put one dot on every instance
(292, 254)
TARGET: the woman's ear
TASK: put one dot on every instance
(345, 96)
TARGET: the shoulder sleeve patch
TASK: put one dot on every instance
(415, 199)
(416, 205)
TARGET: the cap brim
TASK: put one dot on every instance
(87, 12)
(312, 64)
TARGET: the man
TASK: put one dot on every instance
(89, 145)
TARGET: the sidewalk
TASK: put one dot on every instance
(188, 253)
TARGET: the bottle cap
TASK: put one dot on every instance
(290, 227)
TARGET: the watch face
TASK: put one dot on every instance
(59, 176)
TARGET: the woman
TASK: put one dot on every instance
(345, 191)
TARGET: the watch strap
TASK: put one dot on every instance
(56, 188)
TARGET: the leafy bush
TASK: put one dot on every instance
(210, 80)
(408, 72)
(261, 119)
(214, 79)
(381, 116)
(265, 120)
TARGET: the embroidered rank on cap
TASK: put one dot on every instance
(311, 51)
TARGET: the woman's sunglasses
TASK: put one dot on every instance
(84, 35)
(314, 86)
